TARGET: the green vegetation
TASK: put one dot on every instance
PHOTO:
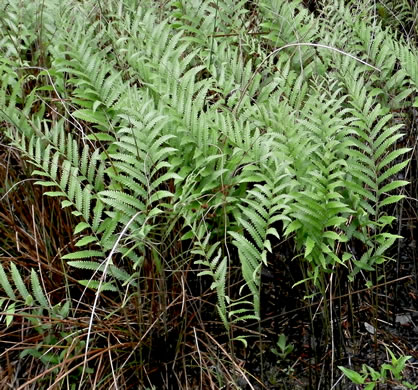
(370, 377)
(159, 156)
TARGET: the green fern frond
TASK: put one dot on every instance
(216, 267)
(38, 292)
(5, 284)
(18, 281)
(265, 205)
(94, 284)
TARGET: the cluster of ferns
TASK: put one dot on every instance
(176, 137)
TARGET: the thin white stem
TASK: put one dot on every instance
(297, 44)
(96, 298)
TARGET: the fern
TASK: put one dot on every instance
(37, 289)
(216, 268)
(372, 165)
(20, 285)
(173, 122)
(264, 206)
(23, 297)
(5, 284)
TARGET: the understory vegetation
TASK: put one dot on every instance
(208, 194)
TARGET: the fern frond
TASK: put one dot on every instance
(18, 281)
(94, 284)
(38, 291)
(266, 204)
(5, 284)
